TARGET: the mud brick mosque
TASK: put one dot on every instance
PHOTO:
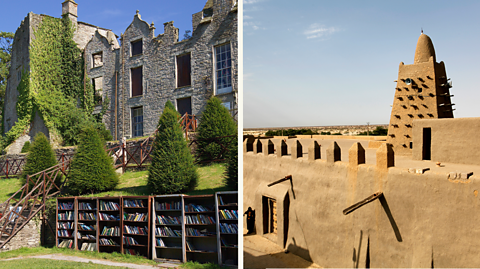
(144, 70)
(406, 200)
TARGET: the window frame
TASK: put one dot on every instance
(134, 124)
(131, 81)
(228, 89)
(93, 59)
(177, 73)
(131, 47)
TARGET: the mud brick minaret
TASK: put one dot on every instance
(422, 92)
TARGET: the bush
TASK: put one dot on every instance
(39, 158)
(26, 147)
(232, 167)
(216, 121)
(172, 169)
(91, 169)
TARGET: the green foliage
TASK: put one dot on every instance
(91, 168)
(172, 169)
(169, 104)
(216, 121)
(6, 41)
(291, 132)
(26, 147)
(231, 174)
(39, 158)
(325, 133)
(56, 85)
(377, 132)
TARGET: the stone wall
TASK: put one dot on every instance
(28, 236)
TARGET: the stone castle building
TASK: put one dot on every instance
(422, 92)
(141, 72)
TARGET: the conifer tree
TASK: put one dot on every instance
(172, 169)
(91, 169)
(39, 158)
(170, 105)
(231, 175)
(216, 121)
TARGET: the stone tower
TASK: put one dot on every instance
(422, 92)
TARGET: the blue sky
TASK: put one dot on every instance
(314, 63)
(111, 14)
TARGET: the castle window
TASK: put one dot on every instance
(97, 84)
(97, 59)
(223, 69)
(207, 12)
(136, 75)
(183, 71)
(137, 47)
(137, 121)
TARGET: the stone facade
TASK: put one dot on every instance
(422, 92)
(109, 66)
(28, 236)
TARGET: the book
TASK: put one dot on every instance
(65, 206)
(111, 231)
(109, 205)
(133, 203)
(135, 217)
(168, 206)
(85, 206)
(135, 230)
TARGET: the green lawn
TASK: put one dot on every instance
(8, 186)
(116, 257)
(211, 180)
(45, 263)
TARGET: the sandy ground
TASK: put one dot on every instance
(259, 252)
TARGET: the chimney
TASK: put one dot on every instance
(69, 8)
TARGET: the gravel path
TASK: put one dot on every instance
(103, 262)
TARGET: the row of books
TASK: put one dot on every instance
(159, 242)
(135, 217)
(107, 242)
(111, 231)
(168, 206)
(65, 216)
(85, 236)
(89, 246)
(65, 225)
(64, 233)
(127, 240)
(167, 231)
(103, 216)
(109, 206)
(228, 228)
(168, 220)
(199, 219)
(228, 214)
(135, 230)
(85, 206)
(133, 203)
(66, 244)
(195, 232)
(87, 216)
(65, 206)
(83, 227)
(220, 201)
(197, 208)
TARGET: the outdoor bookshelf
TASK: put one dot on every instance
(200, 228)
(87, 215)
(136, 225)
(110, 224)
(227, 227)
(168, 228)
(65, 226)
(173, 227)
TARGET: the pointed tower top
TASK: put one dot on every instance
(424, 49)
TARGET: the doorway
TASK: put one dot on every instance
(427, 144)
